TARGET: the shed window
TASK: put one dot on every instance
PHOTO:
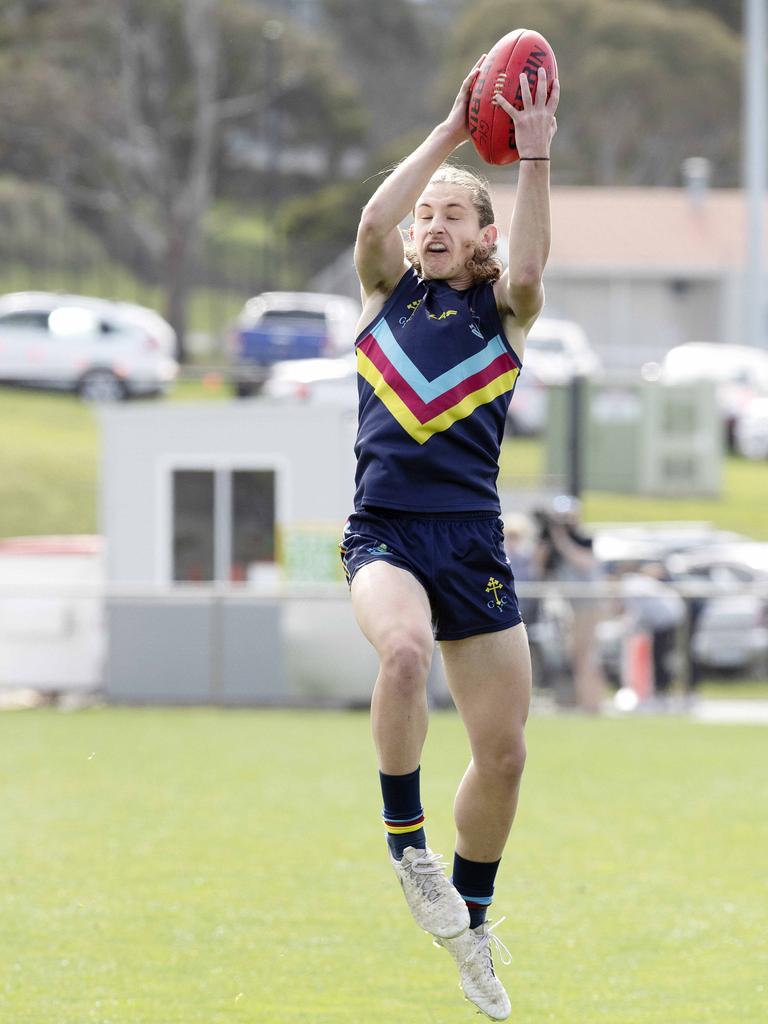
(223, 523)
(253, 521)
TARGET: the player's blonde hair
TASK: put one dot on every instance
(484, 265)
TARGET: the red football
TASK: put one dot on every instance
(491, 129)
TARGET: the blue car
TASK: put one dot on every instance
(279, 326)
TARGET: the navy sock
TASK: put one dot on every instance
(474, 882)
(403, 814)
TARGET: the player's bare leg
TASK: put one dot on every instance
(489, 677)
(392, 610)
(490, 680)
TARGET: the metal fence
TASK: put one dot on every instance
(298, 643)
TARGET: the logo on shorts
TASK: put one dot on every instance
(378, 549)
(499, 599)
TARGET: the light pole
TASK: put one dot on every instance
(755, 167)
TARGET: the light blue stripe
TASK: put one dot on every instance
(428, 390)
(484, 901)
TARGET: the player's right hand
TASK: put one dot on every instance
(457, 119)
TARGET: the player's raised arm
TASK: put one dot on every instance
(379, 252)
(520, 288)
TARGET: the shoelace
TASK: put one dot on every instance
(492, 941)
(427, 865)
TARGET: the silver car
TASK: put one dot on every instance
(731, 629)
(739, 374)
(101, 349)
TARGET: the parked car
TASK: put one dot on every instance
(739, 373)
(559, 350)
(731, 629)
(731, 635)
(751, 430)
(315, 380)
(279, 326)
(555, 352)
(102, 349)
(528, 409)
(678, 547)
(628, 545)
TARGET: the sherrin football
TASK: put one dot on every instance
(491, 129)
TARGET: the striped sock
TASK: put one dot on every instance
(474, 882)
(403, 814)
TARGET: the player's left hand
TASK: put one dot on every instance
(535, 124)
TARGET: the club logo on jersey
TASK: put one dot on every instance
(411, 307)
(499, 599)
(476, 331)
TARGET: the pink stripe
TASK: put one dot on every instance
(476, 382)
(419, 820)
(399, 385)
(425, 411)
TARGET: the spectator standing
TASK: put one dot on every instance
(564, 554)
(654, 607)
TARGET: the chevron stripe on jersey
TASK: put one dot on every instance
(425, 407)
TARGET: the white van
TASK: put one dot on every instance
(559, 350)
(556, 351)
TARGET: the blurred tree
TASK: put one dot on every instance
(392, 53)
(330, 216)
(729, 11)
(140, 111)
(643, 86)
(29, 212)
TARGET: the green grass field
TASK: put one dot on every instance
(208, 867)
(49, 453)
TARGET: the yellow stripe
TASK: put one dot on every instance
(397, 831)
(422, 432)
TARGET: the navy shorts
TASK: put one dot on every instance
(458, 559)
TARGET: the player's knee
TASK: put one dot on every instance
(504, 762)
(405, 659)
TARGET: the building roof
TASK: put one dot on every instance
(648, 228)
(615, 231)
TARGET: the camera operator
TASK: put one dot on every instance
(564, 554)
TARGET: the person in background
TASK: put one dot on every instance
(564, 554)
(652, 606)
(519, 546)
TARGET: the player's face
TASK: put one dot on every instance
(446, 230)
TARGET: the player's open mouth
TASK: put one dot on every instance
(436, 247)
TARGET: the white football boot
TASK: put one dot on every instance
(473, 956)
(434, 902)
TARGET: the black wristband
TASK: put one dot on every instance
(534, 158)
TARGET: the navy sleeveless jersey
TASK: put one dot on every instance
(435, 378)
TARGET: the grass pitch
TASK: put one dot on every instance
(204, 866)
